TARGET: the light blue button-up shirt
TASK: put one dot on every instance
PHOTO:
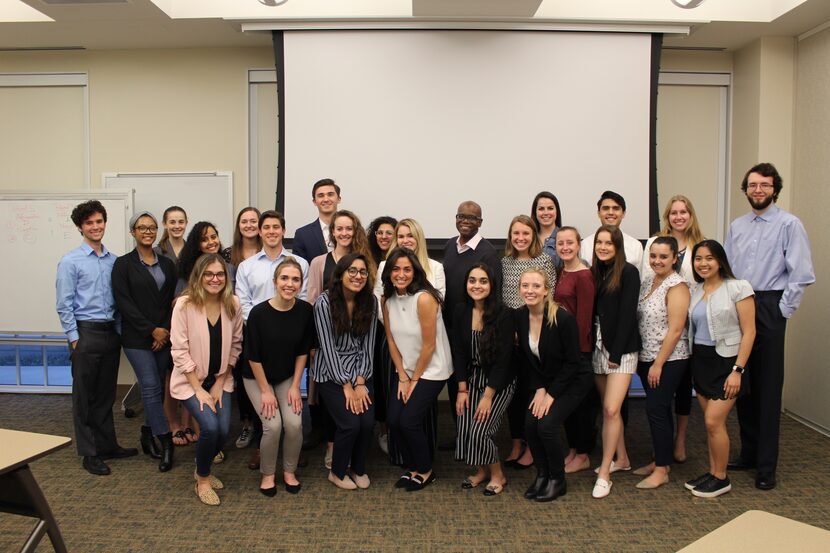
(84, 288)
(255, 279)
(772, 252)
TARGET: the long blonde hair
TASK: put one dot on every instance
(420, 241)
(195, 292)
(693, 234)
(551, 307)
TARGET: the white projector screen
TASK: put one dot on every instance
(411, 123)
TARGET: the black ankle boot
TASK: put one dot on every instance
(148, 444)
(536, 487)
(166, 462)
(552, 489)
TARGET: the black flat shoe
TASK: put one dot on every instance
(403, 481)
(268, 492)
(765, 481)
(537, 485)
(518, 466)
(417, 482)
(119, 453)
(551, 490)
(293, 489)
(94, 465)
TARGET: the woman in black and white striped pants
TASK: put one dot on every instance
(482, 343)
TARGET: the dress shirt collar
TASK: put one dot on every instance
(769, 215)
(262, 254)
(153, 264)
(87, 249)
(471, 244)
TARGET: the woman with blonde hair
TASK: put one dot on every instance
(206, 338)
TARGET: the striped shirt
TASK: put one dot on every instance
(343, 358)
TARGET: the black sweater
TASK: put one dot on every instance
(617, 311)
(499, 373)
(456, 266)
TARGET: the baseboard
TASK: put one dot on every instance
(808, 423)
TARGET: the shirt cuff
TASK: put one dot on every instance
(787, 312)
(72, 335)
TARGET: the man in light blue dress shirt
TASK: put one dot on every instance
(87, 312)
(769, 248)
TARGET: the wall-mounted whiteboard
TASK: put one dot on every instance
(36, 231)
(204, 196)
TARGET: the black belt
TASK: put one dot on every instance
(97, 325)
(769, 293)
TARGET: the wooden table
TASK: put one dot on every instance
(761, 532)
(19, 492)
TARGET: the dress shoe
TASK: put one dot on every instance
(119, 453)
(94, 465)
(601, 489)
(649, 484)
(253, 462)
(293, 488)
(268, 492)
(494, 488)
(418, 482)
(765, 481)
(538, 484)
(344, 483)
(148, 443)
(208, 496)
(740, 464)
(362, 480)
(167, 447)
(403, 481)
(552, 489)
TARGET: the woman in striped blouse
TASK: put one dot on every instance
(345, 316)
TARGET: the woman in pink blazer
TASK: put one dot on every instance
(206, 338)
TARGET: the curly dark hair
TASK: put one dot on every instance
(83, 211)
(494, 310)
(765, 170)
(364, 313)
(191, 251)
(373, 227)
(419, 276)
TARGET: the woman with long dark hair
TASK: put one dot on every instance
(344, 316)
(421, 353)
(246, 239)
(547, 217)
(381, 235)
(202, 239)
(482, 344)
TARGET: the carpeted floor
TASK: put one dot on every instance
(139, 509)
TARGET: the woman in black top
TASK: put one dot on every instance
(549, 340)
(482, 342)
(143, 284)
(280, 334)
(617, 345)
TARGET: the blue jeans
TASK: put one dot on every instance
(213, 430)
(150, 369)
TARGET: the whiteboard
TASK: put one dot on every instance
(204, 196)
(36, 232)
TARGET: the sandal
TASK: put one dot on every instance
(179, 435)
(190, 435)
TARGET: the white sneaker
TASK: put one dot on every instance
(601, 488)
(245, 437)
(383, 443)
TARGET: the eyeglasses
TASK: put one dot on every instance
(146, 230)
(759, 186)
(354, 271)
(466, 217)
(214, 276)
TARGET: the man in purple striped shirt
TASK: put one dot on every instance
(769, 248)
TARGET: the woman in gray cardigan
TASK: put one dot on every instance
(722, 330)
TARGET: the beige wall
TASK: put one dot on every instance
(807, 390)
(697, 61)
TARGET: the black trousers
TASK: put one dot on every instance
(353, 433)
(658, 407)
(544, 436)
(759, 412)
(95, 361)
(406, 424)
(521, 399)
(581, 426)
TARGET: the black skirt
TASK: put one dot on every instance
(710, 371)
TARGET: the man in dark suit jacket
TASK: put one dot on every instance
(312, 239)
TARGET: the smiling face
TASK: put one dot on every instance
(355, 277)
(533, 289)
(706, 265)
(521, 236)
(546, 213)
(759, 191)
(214, 279)
(467, 220)
(604, 247)
(567, 245)
(402, 274)
(661, 259)
(210, 241)
(271, 232)
(343, 230)
(145, 231)
(326, 200)
(610, 213)
(175, 223)
(406, 239)
(92, 228)
(679, 216)
(478, 285)
(249, 224)
(384, 236)
(288, 282)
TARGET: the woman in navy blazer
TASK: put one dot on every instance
(549, 341)
(143, 284)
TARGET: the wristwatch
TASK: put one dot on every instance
(738, 369)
